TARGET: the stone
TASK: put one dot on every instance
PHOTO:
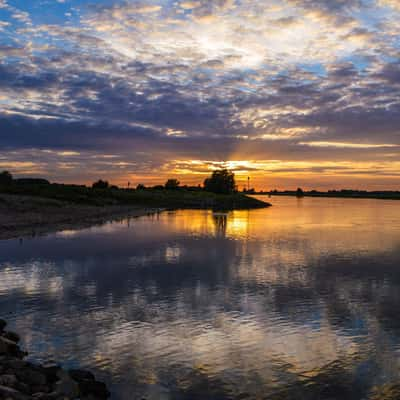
(66, 386)
(8, 347)
(23, 387)
(14, 337)
(8, 380)
(3, 324)
(80, 375)
(46, 396)
(9, 393)
(98, 389)
(40, 389)
(32, 377)
(50, 369)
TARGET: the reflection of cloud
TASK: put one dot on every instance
(281, 297)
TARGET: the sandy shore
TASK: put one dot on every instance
(22, 216)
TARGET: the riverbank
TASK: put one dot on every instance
(343, 194)
(54, 209)
(23, 380)
(22, 216)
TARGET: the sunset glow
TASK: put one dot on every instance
(289, 92)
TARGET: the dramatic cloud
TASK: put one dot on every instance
(300, 84)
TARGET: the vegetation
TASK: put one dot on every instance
(102, 194)
(172, 184)
(100, 184)
(5, 178)
(221, 181)
(344, 193)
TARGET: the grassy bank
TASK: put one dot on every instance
(161, 198)
(28, 210)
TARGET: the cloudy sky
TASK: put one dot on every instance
(291, 92)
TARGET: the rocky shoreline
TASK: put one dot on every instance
(23, 380)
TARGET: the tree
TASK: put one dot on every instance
(172, 184)
(140, 186)
(221, 181)
(5, 178)
(299, 192)
(100, 184)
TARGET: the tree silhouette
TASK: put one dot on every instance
(100, 184)
(5, 178)
(172, 184)
(221, 181)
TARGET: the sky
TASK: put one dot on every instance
(291, 92)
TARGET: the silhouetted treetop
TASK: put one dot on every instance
(172, 184)
(100, 184)
(5, 178)
(221, 181)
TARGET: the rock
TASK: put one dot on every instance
(8, 347)
(80, 375)
(50, 370)
(9, 393)
(23, 388)
(97, 389)
(66, 386)
(46, 396)
(12, 336)
(40, 389)
(32, 377)
(8, 380)
(17, 365)
(3, 324)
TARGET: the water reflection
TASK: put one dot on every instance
(295, 302)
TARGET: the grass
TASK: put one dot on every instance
(180, 198)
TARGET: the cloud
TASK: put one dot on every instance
(224, 78)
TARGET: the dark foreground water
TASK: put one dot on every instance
(299, 301)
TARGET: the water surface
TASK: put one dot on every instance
(298, 301)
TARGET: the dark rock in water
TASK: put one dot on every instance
(3, 324)
(12, 336)
(98, 389)
(67, 386)
(10, 393)
(8, 380)
(22, 380)
(80, 375)
(46, 396)
(50, 370)
(8, 347)
(32, 377)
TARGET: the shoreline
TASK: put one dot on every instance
(24, 380)
(25, 216)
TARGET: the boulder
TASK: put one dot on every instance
(66, 386)
(3, 324)
(32, 377)
(80, 375)
(14, 337)
(8, 380)
(50, 370)
(8, 347)
(9, 393)
(97, 389)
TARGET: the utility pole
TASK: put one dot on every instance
(248, 183)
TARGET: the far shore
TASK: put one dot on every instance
(28, 216)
